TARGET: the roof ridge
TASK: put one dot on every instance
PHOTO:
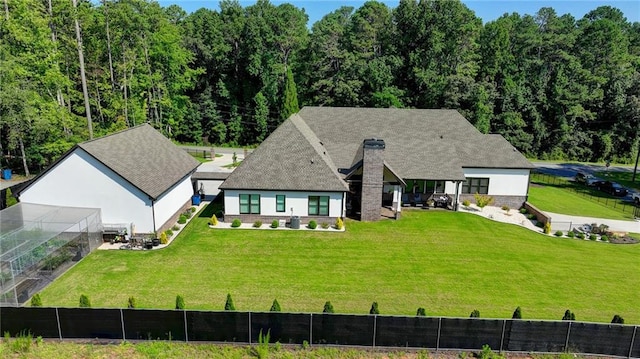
(315, 142)
(116, 133)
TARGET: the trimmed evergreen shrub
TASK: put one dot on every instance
(571, 234)
(475, 314)
(257, 224)
(84, 301)
(523, 210)
(236, 223)
(617, 319)
(36, 301)
(164, 238)
(568, 315)
(228, 305)
(192, 209)
(593, 237)
(559, 233)
(169, 232)
(547, 228)
(324, 225)
(214, 220)
(517, 314)
(374, 308)
(580, 235)
(179, 302)
(339, 223)
(466, 203)
(182, 219)
(312, 224)
(604, 238)
(275, 306)
(131, 303)
(328, 307)
(421, 312)
(275, 223)
(175, 227)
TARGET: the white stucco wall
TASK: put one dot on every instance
(81, 181)
(296, 200)
(210, 187)
(502, 181)
(172, 201)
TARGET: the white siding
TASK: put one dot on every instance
(80, 180)
(296, 200)
(502, 181)
(172, 201)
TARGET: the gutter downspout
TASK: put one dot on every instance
(153, 215)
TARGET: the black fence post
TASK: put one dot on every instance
(375, 324)
(186, 332)
(633, 338)
(310, 328)
(58, 320)
(124, 337)
(438, 339)
(566, 343)
(504, 325)
(249, 328)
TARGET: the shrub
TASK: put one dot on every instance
(193, 209)
(275, 306)
(475, 314)
(482, 200)
(506, 208)
(179, 302)
(523, 210)
(571, 234)
(617, 319)
(36, 301)
(274, 223)
(182, 219)
(559, 233)
(580, 235)
(568, 315)
(187, 214)
(214, 220)
(236, 223)
(374, 308)
(466, 203)
(339, 223)
(531, 216)
(169, 232)
(604, 238)
(228, 305)
(175, 227)
(257, 224)
(547, 228)
(593, 237)
(421, 312)
(517, 314)
(131, 303)
(84, 301)
(324, 225)
(312, 224)
(164, 238)
(328, 308)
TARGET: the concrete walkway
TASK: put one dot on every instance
(566, 222)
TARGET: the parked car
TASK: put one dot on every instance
(612, 188)
(586, 179)
(635, 196)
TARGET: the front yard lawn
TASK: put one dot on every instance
(449, 263)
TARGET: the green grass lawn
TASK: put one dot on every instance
(450, 263)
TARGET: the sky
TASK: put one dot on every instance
(487, 10)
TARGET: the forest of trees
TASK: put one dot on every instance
(556, 87)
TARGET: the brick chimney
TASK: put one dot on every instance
(372, 176)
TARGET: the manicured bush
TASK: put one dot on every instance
(531, 216)
(228, 305)
(374, 308)
(339, 223)
(421, 312)
(36, 301)
(517, 314)
(164, 238)
(328, 308)
(593, 237)
(192, 209)
(604, 238)
(179, 302)
(580, 235)
(312, 224)
(547, 228)
(559, 233)
(482, 200)
(568, 315)
(475, 314)
(236, 223)
(523, 210)
(169, 232)
(84, 301)
(182, 219)
(214, 220)
(187, 214)
(506, 208)
(131, 303)
(617, 319)
(466, 203)
(324, 225)
(571, 234)
(257, 224)
(275, 306)
(175, 227)
(275, 223)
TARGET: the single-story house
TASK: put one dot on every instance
(328, 162)
(137, 177)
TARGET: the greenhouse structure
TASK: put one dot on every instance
(38, 243)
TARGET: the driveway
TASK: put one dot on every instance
(565, 222)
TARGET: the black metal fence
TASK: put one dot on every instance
(325, 329)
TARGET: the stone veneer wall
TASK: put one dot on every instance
(266, 220)
(174, 219)
(514, 202)
(372, 177)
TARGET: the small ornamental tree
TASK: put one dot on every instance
(517, 314)
(179, 302)
(339, 223)
(568, 315)
(163, 238)
(275, 307)
(547, 228)
(84, 301)
(214, 220)
(328, 308)
(131, 303)
(617, 319)
(482, 200)
(228, 305)
(475, 314)
(421, 312)
(374, 308)
(36, 301)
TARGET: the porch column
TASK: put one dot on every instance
(397, 198)
(457, 196)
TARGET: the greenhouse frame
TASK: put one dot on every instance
(38, 243)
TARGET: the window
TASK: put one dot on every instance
(318, 205)
(280, 203)
(476, 185)
(249, 204)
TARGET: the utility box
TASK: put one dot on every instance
(195, 200)
(295, 222)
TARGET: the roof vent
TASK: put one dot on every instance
(312, 160)
(374, 143)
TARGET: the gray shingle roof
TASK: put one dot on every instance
(291, 158)
(144, 157)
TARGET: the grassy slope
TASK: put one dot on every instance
(449, 263)
(558, 200)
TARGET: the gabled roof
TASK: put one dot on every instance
(291, 158)
(142, 156)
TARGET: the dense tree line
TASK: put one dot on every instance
(555, 86)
